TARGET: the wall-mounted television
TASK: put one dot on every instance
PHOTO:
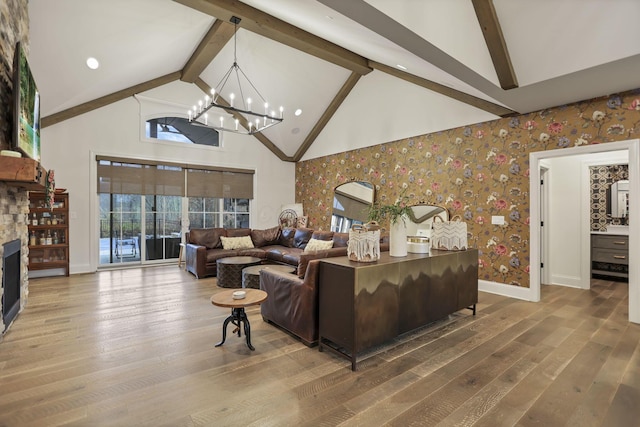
(26, 112)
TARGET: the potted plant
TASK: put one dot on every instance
(396, 213)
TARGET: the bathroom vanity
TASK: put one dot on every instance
(610, 252)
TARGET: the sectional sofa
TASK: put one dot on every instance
(293, 298)
(204, 246)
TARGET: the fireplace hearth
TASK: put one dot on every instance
(11, 281)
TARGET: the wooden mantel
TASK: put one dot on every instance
(22, 172)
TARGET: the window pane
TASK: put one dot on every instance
(212, 204)
(196, 204)
(179, 130)
(196, 220)
(242, 221)
(229, 221)
(242, 205)
(212, 220)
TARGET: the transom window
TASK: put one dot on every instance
(178, 129)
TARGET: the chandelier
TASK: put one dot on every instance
(237, 115)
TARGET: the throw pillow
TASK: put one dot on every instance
(318, 245)
(243, 242)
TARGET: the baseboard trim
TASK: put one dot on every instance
(506, 290)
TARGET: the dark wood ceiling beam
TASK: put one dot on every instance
(245, 124)
(480, 103)
(108, 99)
(273, 28)
(490, 25)
(212, 43)
(342, 94)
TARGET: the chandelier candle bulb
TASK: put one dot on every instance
(249, 103)
(281, 111)
(232, 97)
(206, 119)
(200, 105)
(221, 121)
(237, 122)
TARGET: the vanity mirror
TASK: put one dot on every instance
(619, 199)
(351, 202)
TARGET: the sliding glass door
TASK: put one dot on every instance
(162, 227)
(122, 228)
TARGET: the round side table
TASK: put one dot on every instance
(238, 315)
(229, 270)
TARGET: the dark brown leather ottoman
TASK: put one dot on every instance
(251, 275)
(229, 270)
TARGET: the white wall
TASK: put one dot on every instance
(368, 116)
(70, 148)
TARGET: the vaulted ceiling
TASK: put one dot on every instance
(501, 56)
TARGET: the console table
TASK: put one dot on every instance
(362, 305)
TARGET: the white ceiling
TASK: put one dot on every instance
(562, 51)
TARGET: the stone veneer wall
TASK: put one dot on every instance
(14, 201)
(475, 171)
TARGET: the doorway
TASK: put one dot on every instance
(632, 147)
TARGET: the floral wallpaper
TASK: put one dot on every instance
(475, 171)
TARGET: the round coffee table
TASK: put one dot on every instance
(229, 270)
(251, 275)
(238, 315)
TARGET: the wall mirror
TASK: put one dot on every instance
(351, 202)
(421, 218)
(619, 199)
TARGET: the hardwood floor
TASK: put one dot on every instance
(136, 348)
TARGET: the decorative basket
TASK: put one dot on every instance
(364, 242)
(449, 235)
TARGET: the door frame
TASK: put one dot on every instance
(633, 148)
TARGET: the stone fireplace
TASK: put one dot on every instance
(14, 200)
(14, 208)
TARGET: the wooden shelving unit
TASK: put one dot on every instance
(51, 234)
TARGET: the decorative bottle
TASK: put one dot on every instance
(34, 219)
(48, 240)
(32, 239)
(55, 238)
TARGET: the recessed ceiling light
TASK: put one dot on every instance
(298, 112)
(402, 67)
(93, 63)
